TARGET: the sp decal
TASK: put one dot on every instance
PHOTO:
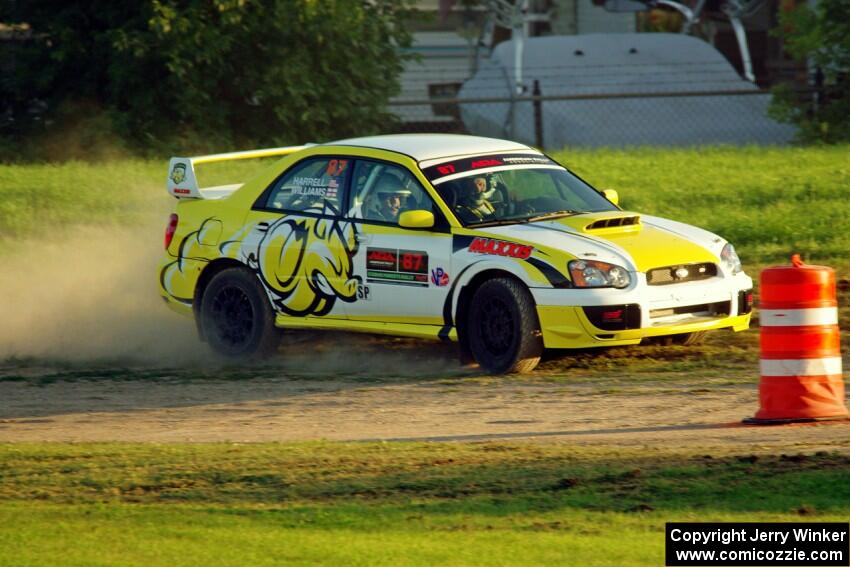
(364, 293)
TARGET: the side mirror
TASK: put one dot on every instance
(416, 219)
(612, 196)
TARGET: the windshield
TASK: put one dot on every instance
(519, 194)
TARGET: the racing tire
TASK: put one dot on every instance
(236, 315)
(503, 329)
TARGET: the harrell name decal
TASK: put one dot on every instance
(500, 248)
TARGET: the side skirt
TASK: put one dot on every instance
(412, 330)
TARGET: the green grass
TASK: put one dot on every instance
(60, 195)
(400, 504)
(37, 197)
(768, 201)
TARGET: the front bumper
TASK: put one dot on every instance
(663, 310)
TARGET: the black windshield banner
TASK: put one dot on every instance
(466, 165)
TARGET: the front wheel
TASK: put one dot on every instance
(236, 316)
(503, 329)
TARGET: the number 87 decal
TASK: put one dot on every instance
(411, 261)
(336, 167)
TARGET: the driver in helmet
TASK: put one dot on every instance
(475, 203)
(391, 198)
(390, 203)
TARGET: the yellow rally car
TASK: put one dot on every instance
(485, 242)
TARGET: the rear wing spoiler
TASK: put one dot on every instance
(183, 183)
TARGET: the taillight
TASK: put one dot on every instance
(170, 230)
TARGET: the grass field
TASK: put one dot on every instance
(387, 504)
(769, 202)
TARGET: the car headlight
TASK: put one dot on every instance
(591, 273)
(729, 259)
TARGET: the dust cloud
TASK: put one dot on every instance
(91, 293)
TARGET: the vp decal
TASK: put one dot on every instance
(439, 277)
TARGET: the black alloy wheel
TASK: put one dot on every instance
(236, 315)
(232, 316)
(503, 329)
(496, 326)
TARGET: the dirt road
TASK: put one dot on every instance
(447, 404)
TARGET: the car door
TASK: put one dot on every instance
(299, 244)
(405, 273)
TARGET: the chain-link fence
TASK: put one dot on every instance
(621, 119)
(586, 92)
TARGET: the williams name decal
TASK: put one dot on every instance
(405, 267)
(500, 248)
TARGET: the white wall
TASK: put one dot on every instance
(595, 19)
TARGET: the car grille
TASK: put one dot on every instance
(710, 309)
(681, 273)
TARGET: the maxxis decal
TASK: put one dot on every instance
(494, 247)
(480, 245)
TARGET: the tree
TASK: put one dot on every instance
(207, 73)
(820, 35)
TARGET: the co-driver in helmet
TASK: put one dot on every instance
(475, 204)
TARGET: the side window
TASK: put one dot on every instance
(313, 185)
(381, 192)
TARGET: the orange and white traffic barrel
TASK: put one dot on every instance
(801, 377)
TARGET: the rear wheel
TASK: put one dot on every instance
(502, 326)
(236, 316)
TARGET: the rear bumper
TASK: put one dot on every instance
(177, 279)
(178, 306)
(653, 311)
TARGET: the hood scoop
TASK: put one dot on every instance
(604, 223)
